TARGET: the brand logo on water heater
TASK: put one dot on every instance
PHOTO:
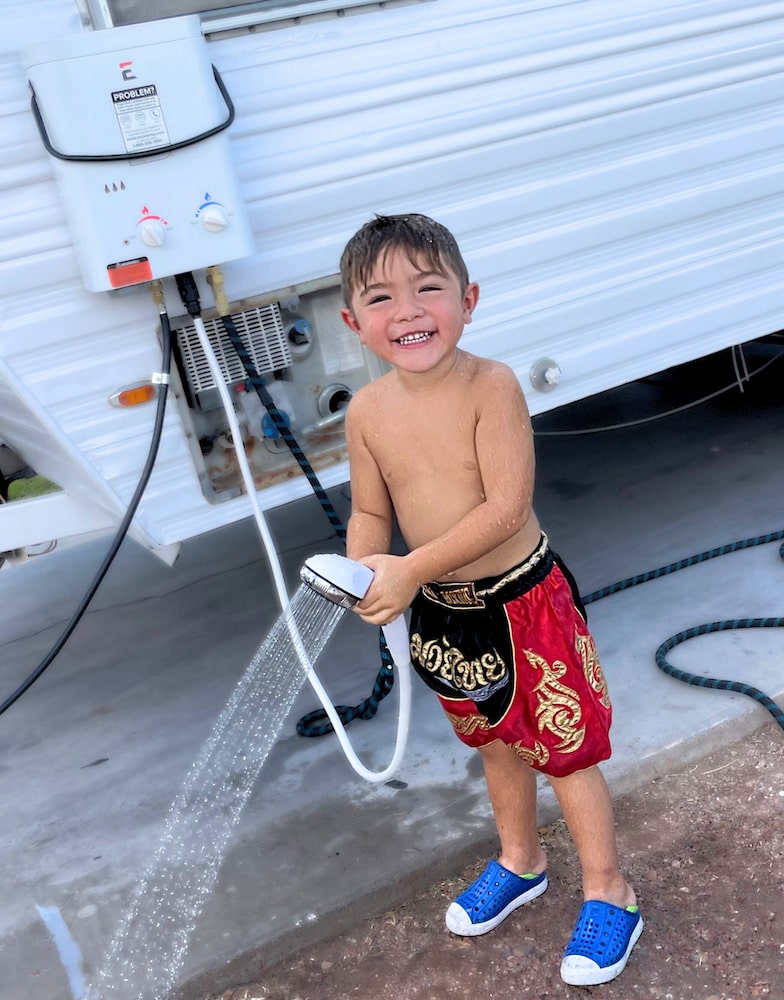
(127, 71)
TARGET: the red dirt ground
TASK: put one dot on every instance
(704, 848)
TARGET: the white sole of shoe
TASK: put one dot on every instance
(576, 970)
(459, 922)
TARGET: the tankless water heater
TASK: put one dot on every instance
(135, 119)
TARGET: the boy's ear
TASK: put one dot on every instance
(350, 320)
(470, 299)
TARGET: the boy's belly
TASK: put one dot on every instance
(500, 559)
(513, 551)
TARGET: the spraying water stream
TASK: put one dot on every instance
(149, 946)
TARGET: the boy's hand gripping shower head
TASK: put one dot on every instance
(345, 582)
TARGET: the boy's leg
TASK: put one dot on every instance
(609, 923)
(511, 785)
(519, 875)
(587, 810)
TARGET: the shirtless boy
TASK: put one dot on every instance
(443, 444)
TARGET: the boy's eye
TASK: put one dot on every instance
(430, 288)
(377, 298)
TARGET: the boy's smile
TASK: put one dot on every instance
(410, 316)
(414, 338)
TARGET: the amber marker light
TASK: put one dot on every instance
(134, 395)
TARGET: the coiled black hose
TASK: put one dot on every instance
(726, 625)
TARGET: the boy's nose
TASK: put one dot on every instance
(408, 308)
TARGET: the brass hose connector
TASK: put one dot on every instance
(216, 283)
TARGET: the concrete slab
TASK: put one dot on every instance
(97, 750)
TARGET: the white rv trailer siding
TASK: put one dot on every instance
(610, 167)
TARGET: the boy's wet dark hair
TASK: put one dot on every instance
(424, 240)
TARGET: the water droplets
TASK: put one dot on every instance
(150, 943)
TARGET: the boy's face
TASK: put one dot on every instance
(409, 316)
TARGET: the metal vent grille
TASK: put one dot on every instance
(262, 333)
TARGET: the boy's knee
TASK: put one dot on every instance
(496, 751)
(500, 756)
(584, 776)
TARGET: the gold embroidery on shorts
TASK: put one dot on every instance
(450, 665)
(453, 595)
(539, 754)
(592, 668)
(467, 725)
(559, 706)
(522, 570)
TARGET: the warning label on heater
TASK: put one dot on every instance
(140, 117)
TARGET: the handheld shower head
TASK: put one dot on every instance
(340, 580)
(345, 582)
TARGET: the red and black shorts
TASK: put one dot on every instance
(511, 659)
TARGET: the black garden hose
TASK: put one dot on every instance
(726, 625)
(163, 386)
(282, 426)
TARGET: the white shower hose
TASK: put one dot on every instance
(396, 633)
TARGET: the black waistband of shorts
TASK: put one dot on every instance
(468, 594)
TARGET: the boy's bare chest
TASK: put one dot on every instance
(426, 442)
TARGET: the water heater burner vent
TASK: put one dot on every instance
(262, 332)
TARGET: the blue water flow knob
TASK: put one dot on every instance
(300, 333)
(268, 428)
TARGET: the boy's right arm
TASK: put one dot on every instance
(370, 524)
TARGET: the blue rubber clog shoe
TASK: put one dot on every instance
(494, 895)
(603, 938)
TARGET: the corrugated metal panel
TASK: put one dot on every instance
(262, 332)
(611, 168)
(574, 150)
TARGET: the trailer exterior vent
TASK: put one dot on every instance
(262, 333)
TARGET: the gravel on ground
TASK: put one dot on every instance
(704, 848)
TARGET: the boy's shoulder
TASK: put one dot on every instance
(366, 401)
(473, 369)
(482, 369)
(371, 392)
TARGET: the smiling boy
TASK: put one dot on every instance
(443, 444)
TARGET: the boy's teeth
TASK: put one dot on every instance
(413, 338)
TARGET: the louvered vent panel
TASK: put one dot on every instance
(262, 333)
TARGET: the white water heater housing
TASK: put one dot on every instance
(135, 119)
